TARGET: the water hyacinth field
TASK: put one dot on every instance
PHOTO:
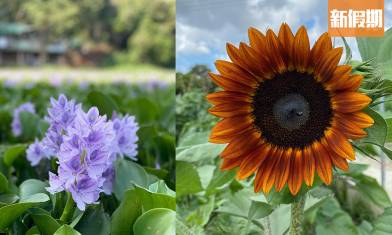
(87, 158)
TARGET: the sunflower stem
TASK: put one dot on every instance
(297, 216)
(68, 210)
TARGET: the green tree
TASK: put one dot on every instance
(52, 20)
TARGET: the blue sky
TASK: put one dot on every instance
(204, 26)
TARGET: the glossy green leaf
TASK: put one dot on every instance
(129, 173)
(13, 152)
(201, 215)
(31, 187)
(383, 225)
(30, 125)
(156, 221)
(259, 210)
(46, 224)
(66, 230)
(377, 133)
(103, 102)
(134, 203)
(6, 199)
(10, 213)
(187, 179)
(200, 152)
(94, 221)
(3, 183)
(126, 214)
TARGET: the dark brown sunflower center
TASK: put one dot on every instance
(292, 109)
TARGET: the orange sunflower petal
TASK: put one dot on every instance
(301, 49)
(227, 97)
(236, 73)
(273, 50)
(230, 85)
(322, 46)
(257, 40)
(286, 39)
(323, 162)
(336, 142)
(255, 62)
(296, 172)
(270, 174)
(360, 119)
(349, 102)
(253, 161)
(349, 129)
(233, 109)
(325, 67)
(228, 128)
(242, 145)
(340, 162)
(230, 163)
(309, 165)
(284, 169)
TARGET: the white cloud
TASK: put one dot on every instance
(204, 26)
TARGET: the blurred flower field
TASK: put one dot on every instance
(109, 148)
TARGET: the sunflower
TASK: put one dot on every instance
(288, 111)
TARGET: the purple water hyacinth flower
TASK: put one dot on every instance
(84, 157)
(61, 115)
(16, 124)
(109, 176)
(85, 191)
(56, 185)
(36, 152)
(126, 138)
(86, 145)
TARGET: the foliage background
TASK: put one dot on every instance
(134, 31)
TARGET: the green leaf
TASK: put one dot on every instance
(161, 187)
(369, 187)
(150, 200)
(30, 187)
(10, 213)
(332, 219)
(192, 138)
(156, 221)
(126, 214)
(13, 152)
(382, 225)
(66, 230)
(259, 210)
(46, 224)
(30, 125)
(349, 54)
(365, 228)
(389, 132)
(377, 133)
(6, 199)
(33, 231)
(219, 180)
(129, 173)
(187, 179)
(206, 173)
(104, 103)
(145, 110)
(94, 221)
(200, 152)
(3, 183)
(134, 203)
(201, 215)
